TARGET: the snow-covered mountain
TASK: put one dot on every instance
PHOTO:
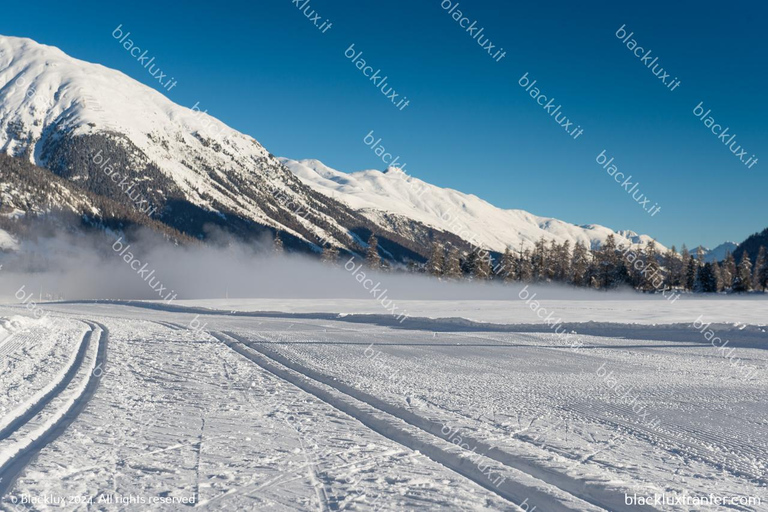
(110, 136)
(88, 123)
(719, 252)
(378, 195)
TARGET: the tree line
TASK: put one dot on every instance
(607, 267)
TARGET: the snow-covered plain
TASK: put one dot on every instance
(302, 405)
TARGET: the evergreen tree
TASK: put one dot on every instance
(453, 264)
(606, 260)
(436, 262)
(562, 262)
(707, 278)
(579, 265)
(728, 271)
(482, 268)
(674, 264)
(743, 280)
(509, 266)
(691, 274)
(525, 265)
(685, 258)
(760, 263)
(372, 258)
(762, 276)
(278, 243)
(539, 260)
(650, 278)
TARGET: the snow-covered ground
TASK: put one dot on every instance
(649, 310)
(306, 405)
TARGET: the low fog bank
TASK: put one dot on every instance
(77, 267)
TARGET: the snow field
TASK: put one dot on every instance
(288, 413)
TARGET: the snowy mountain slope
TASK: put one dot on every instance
(86, 122)
(375, 193)
(109, 134)
(28, 191)
(719, 252)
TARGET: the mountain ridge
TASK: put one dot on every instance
(374, 192)
(69, 116)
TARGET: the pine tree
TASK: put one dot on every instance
(372, 258)
(650, 276)
(691, 273)
(330, 255)
(278, 243)
(760, 263)
(743, 280)
(728, 270)
(482, 268)
(524, 265)
(436, 261)
(606, 259)
(706, 281)
(762, 276)
(579, 265)
(539, 260)
(562, 262)
(674, 264)
(551, 261)
(453, 264)
(509, 266)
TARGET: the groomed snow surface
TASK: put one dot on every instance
(302, 405)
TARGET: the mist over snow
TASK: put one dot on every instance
(75, 267)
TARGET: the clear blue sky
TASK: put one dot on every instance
(266, 70)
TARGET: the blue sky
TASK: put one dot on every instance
(266, 70)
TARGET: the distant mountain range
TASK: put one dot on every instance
(123, 154)
(718, 253)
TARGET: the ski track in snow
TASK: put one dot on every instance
(40, 421)
(256, 412)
